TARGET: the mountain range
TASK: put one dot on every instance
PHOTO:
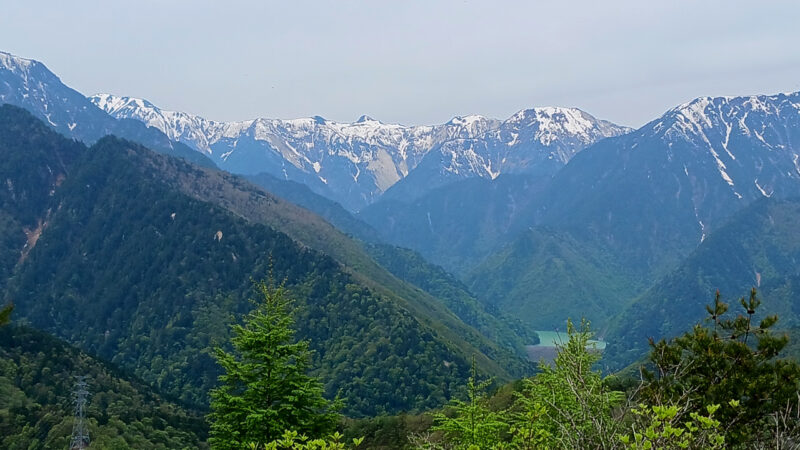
(356, 163)
(622, 213)
(548, 214)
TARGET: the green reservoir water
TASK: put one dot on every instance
(553, 338)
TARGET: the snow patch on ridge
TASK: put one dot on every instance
(15, 64)
(761, 189)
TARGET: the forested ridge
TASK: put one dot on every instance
(758, 247)
(157, 275)
(36, 381)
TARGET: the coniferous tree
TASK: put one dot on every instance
(265, 389)
(5, 314)
(733, 363)
(472, 424)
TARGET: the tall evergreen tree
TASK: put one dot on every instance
(5, 314)
(472, 424)
(733, 362)
(265, 389)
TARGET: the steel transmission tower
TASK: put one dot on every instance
(80, 433)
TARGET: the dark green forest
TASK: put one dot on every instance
(142, 308)
(36, 381)
(758, 247)
(158, 276)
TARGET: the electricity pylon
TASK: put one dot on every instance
(80, 433)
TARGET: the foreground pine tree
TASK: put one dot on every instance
(471, 424)
(265, 390)
(735, 363)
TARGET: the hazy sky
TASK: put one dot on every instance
(413, 62)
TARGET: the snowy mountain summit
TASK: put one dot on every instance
(752, 142)
(31, 85)
(355, 163)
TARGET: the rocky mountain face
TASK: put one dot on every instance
(654, 194)
(355, 163)
(536, 142)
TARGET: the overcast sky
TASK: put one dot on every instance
(412, 62)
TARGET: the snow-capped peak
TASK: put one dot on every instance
(551, 124)
(467, 121)
(716, 120)
(113, 104)
(15, 64)
(748, 140)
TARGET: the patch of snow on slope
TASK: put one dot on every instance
(797, 163)
(761, 189)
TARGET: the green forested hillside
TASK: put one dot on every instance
(36, 410)
(545, 277)
(242, 198)
(26, 194)
(156, 254)
(410, 266)
(758, 247)
(153, 290)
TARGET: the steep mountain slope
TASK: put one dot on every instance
(243, 199)
(408, 266)
(652, 196)
(545, 277)
(628, 209)
(459, 224)
(27, 193)
(30, 85)
(36, 412)
(758, 247)
(142, 245)
(300, 195)
(355, 163)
